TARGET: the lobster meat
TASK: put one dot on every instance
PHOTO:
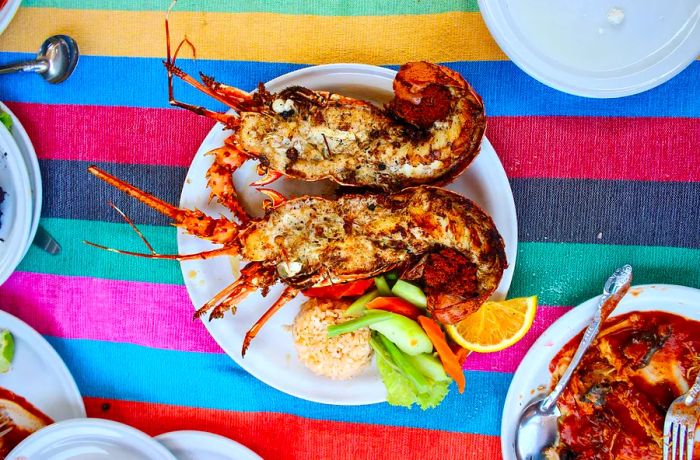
(312, 241)
(428, 134)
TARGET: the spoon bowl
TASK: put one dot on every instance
(60, 52)
(56, 60)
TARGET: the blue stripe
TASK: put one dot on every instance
(507, 91)
(131, 372)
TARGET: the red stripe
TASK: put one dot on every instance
(281, 436)
(658, 149)
(75, 307)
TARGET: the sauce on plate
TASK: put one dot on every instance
(615, 404)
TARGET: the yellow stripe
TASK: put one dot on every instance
(457, 36)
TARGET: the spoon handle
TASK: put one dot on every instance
(615, 288)
(36, 65)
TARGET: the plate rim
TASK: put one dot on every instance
(180, 437)
(352, 69)
(10, 10)
(578, 313)
(92, 423)
(528, 62)
(28, 152)
(43, 347)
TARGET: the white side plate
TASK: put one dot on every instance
(17, 207)
(532, 377)
(272, 357)
(597, 48)
(26, 148)
(89, 439)
(200, 445)
(38, 374)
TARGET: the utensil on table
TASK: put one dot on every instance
(537, 427)
(680, 424)
(55, 61)
(4, 421)
(45, 241)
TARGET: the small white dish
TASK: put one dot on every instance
(533, 378)
(200, 445)
(17, 207)
(36, 361)
(89, 439)
(19, 134)
(597, 48)
(272, 357)
(7, 12)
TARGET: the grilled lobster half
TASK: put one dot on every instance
(433, 235)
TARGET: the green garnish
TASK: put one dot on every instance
(7, 350)
(6, 120)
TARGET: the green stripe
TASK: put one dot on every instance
(311, 7)
(559, 273)
(570, 273)
(79, 259)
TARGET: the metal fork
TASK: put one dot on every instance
(679, 426)
(4, 421)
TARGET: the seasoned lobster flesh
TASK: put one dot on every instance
(428, 134)
(312, 242)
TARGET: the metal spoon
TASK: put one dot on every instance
(56, 60)
(537, 428)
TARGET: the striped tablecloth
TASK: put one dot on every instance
(597, 183)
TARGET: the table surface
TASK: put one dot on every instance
(597, 183)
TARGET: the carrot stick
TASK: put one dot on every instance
(447, 356)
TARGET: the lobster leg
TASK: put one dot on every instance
(288, 294)
(253, 276)
(221, 231)
(230, 121)
(220, 179)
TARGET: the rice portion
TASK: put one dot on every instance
(338, 358)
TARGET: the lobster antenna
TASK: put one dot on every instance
(133, 226)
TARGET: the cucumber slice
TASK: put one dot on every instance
(430, 366)
(410, 293)
(404, 332)
(358, 306)
(382, 286)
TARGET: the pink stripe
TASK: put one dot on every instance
(165, 137)
(508, 359)
(154, 315)
(655, 149)
(158, 315)
(650, 149)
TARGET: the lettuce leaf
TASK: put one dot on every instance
(400, 390)
(6, 120)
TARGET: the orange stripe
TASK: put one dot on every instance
(280, 436)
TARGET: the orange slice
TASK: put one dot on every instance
(496, 325)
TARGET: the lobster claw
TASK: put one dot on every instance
(275, 198)
(269, 177)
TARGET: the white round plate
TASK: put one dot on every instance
(19, 134)
(7, 13)
(36, 361)
(17, 207)
(89, 439)
(532, 377)
(597, 48)
(200, 445)
(272, 357)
